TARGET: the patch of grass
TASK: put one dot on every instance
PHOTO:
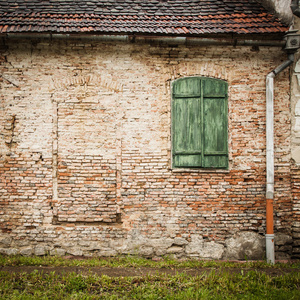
(224, 280)
(134, 261)
(251, 285)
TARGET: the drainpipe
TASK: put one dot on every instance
(270, 157)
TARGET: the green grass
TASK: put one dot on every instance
(252, 285)
(133, 261)
(249, 282)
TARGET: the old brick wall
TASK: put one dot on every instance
(86, 151)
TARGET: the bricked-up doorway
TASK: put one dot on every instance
(84, 152)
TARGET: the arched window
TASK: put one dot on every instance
(199, 123)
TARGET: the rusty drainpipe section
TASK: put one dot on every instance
(270, 252)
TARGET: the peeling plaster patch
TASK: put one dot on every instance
(297, 67)
(11, 124)
(297, 109)
(298, 78)
(296, 154)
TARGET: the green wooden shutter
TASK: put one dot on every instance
(186, 116)
(199, 123)
(215, 145)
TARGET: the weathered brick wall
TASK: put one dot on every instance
(86, 152)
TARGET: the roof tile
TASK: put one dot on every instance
(169, 17)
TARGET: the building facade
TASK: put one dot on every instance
(148, 145)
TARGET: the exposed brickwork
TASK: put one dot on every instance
(86, 151)
(26, 191)
(86, 190)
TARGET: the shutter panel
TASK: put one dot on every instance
(187, 87)
(214, 88)
(186, 115)
(215, 149)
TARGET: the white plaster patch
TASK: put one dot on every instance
(297, 125)
(297, 109)
(297, 67)
(296, 154)
(298, 77)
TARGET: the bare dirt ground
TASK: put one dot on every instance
(141, 271)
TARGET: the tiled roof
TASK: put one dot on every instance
(155, 17)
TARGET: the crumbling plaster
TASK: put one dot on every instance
(281, 8)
